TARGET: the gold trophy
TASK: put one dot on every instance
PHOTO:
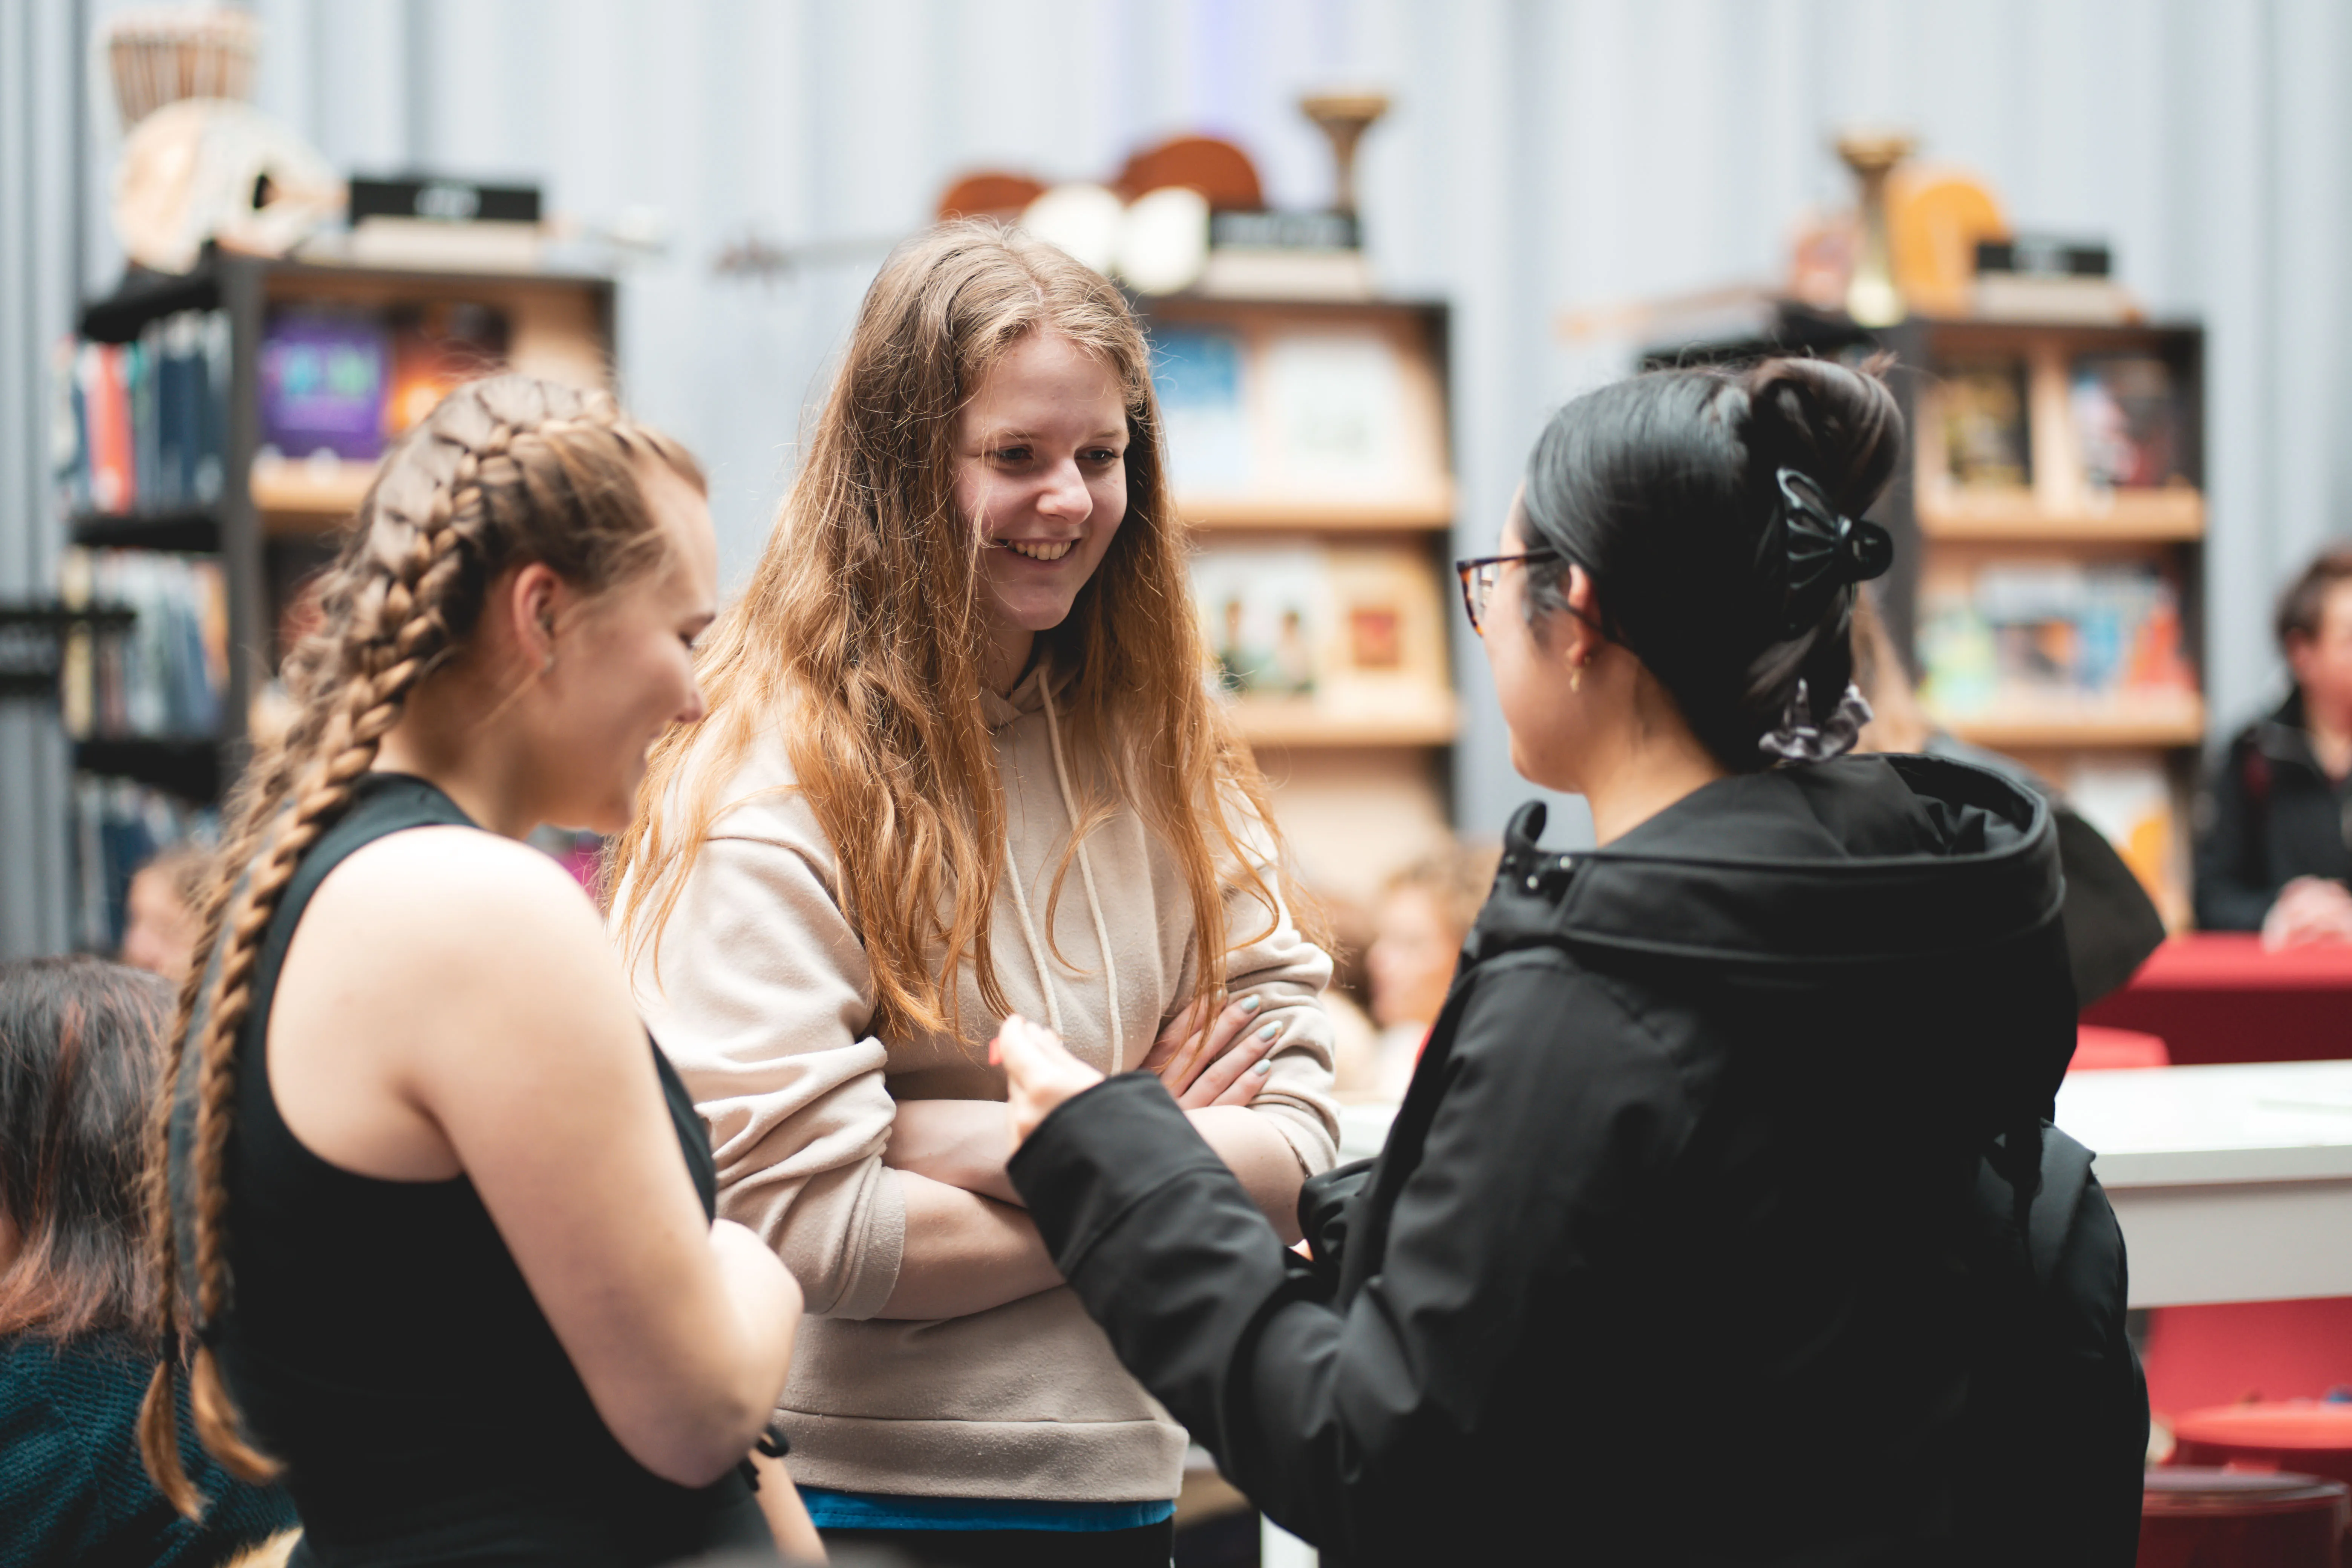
(1871, 297)
(1344, 117)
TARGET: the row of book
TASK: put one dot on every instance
(2126, 413)
(118, 826)
(142, 426)
(2072, 632)
(166, 675)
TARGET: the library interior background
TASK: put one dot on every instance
(1375, 242)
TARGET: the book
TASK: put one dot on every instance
(2127, 421)
(167, 674)
(2043, 633)
(1197, 374)
(141, 427)
(1982, 408)
(117, 827)
(323, 383)
(434, 348)
(1353, 630)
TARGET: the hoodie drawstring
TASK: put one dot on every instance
(1093, 900)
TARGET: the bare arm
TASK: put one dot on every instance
(965, 1253)
(1213, 1073)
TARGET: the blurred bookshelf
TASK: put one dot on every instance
(211, 436)
(2050, 522)
(1311, 457)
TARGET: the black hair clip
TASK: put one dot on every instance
(1826, 551)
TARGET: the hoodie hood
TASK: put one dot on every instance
(1919, 892)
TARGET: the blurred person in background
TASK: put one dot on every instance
(80, 1041)
(2274, 822)
(1423, 912)
(161, 913)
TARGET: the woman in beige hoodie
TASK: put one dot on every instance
(961, 761)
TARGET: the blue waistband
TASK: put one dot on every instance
(830, 1509)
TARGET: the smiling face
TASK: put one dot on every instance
(623, 665)
(1040, 471)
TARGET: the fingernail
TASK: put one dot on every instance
(1249, 1004)
(1272, 1029)
(1263, 1067)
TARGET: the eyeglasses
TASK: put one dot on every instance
(1480, 576)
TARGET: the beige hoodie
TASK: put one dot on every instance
(763, 1000)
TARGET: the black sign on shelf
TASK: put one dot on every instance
(32, 643)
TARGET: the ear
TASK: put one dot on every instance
(1580, 643)
(534, 603)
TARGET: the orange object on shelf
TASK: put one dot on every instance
(1208, 164)
(991, 192)
(2098, 1049)
(1935, 216)
(2232, 1519)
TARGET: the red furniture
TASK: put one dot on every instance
(2216, 996)
(2309, 1437)
(2234, 1518)
(2107, 1050)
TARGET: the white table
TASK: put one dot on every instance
(2232, 1183)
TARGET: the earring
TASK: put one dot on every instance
(1576, 677)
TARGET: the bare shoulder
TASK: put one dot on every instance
(459, 892)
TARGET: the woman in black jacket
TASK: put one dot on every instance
(1667, 1258)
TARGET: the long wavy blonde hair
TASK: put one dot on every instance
(503, 471)
(862, 633)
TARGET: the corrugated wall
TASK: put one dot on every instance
(1544, 156)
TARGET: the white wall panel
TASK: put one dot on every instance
(1543, 156)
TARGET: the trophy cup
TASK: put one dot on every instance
(1871, 296)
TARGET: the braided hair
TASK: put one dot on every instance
(503, 472)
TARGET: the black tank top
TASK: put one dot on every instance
(381, 1344)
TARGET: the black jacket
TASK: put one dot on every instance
(1665, 1258)
(2269, 813)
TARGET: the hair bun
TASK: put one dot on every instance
(1837, 424)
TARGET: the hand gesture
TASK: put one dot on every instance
(2309, 909)
(1204, 1066)
(1039, 1074)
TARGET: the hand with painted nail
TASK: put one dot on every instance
(1039, 1074)
(1204, 1066)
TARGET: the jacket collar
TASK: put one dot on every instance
(1827, 867)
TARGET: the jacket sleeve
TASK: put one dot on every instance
(2232, 893)
(1341, 1423)
(759, 993)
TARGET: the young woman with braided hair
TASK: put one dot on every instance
(962, 757)
(426, 1198)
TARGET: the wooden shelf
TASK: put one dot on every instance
(2057, 727)
(2021, 517)
(1304, 724)
(1317, 514)
(308, 498)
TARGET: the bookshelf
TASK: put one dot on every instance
(1311, 461)
(2050, 527)
(244, 524)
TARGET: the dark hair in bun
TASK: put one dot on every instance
(1667, 489)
